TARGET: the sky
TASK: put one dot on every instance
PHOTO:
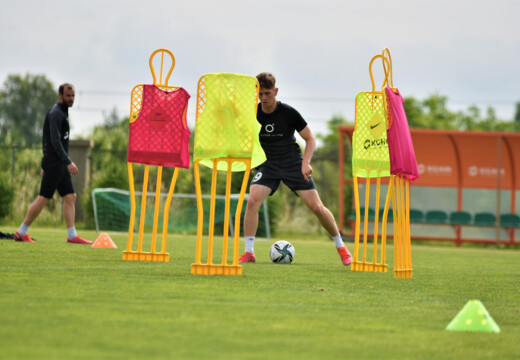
(319, 50)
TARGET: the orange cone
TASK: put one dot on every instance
(104, 241)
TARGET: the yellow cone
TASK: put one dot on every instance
(473, 317)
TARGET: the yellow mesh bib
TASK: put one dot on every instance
(370, 156)
(226, 123)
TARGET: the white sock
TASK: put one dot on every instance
(338, 241)
(71, 232)
(23, 230)
(249, 244)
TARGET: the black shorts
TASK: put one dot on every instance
(271, 175)
(56, 177)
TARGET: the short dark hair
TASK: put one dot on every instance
(266, 80)
(64, 86)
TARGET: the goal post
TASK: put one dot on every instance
(112, 211)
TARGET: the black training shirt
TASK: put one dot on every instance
(277, 133)
(56, 135)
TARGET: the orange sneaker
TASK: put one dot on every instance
(78, 240)
(23, 238)
(345, 256)
(247, 257)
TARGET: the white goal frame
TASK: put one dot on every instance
(265, 211)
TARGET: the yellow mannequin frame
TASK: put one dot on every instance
(222, 268)
(135, 108)
(399, 193)
(209, 268)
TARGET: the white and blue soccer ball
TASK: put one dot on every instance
(282, 252)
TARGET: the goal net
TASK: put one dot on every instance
(112, 212)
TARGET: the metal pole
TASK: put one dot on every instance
(13, 159)
(341, 181)
(90, 167)
(499, 174)
(266, 220)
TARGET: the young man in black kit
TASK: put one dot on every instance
(57, 168)
(284, 163)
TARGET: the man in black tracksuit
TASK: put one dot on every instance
(57, 168)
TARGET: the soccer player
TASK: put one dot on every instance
(57, 168)
(284, 163)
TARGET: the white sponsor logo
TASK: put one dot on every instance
(269, 128)
(66, 136)
(436, 170)
(485, 171)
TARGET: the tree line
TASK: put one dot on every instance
(24, 100)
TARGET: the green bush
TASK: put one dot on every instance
(7, 196)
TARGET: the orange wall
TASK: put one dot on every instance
(463, 158)
(436, 160)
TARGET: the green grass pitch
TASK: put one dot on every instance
(65, 301)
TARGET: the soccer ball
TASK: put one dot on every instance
(282, 252)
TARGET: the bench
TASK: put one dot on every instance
(456, 219)
(451, 218)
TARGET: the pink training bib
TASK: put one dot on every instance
(160, 135)
(400, 146)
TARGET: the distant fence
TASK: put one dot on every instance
(8, 158)
(22, 166)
